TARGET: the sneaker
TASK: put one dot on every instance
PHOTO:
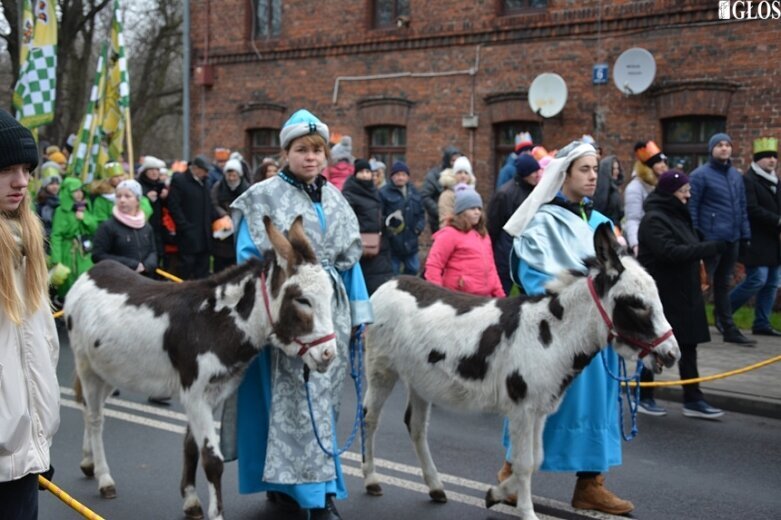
(766, 332)
(702, 410)
(649, 407)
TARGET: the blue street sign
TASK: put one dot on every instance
(599, 74)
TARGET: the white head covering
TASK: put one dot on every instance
(132, 185)
(150, 163)
(549, 185)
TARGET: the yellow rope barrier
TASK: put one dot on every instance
(169, 276)
(69, 500)
(58, 314)
(714, 377)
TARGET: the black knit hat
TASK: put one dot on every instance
(17, 145)
(362, 164)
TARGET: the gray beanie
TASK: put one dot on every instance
(716, 139)
(132, 185)
(17, 145)
(467, 198)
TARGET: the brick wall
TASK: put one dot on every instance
(704, 67)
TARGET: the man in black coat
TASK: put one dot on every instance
(503, 204)
(763, 255)
(190, 206)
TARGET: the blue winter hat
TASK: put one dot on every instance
(525, 165)
(399, 166)
(466, 199)
(303, 122)
(716, 139)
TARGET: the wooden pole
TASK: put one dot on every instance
(129, 135)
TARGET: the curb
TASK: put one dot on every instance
(731, 401)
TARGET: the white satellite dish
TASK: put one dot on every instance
(634, 71)
(547, 94)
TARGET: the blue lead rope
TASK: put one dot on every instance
(356, 372)
(632, 400)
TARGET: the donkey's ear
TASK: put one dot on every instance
(281, 245)
(300, 242)
(607, 249)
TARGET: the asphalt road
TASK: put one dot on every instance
(677, 468)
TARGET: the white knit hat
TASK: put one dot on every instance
(235, 165)
(462, 164)
(132, 185)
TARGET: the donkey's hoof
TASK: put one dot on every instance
(490, 501)
(195, 512)
(374, 490)
(88, 470)
(108, 492)
(438, 496)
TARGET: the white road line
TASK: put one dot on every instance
(352, 456)
(130, 405)
(451, 496)
(129, 417)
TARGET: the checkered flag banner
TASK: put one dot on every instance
(116, 99)
(88, 124)
(36, 89)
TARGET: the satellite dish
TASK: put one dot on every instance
(547, 94)
(634, 71)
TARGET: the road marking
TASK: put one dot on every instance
(348, 455)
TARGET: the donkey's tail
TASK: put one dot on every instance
(77, 390)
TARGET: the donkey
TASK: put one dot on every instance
(194, 340)
(513, 356)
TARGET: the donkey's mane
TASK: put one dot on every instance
(237, 272)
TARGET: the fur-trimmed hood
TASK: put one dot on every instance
(447, 179)
(645, 173)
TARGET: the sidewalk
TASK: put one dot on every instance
(757, 392)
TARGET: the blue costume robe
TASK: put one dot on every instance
(275, 444)
(584, 433)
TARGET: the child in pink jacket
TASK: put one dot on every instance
(461, 257)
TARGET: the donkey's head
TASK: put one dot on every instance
(628, 301)
(297, 295)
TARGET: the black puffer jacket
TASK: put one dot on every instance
(364, 198)
(502, 206)
(671, 251)
(156, 220)
(115, 241)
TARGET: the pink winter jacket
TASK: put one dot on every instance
(338, 173)
(463, 262)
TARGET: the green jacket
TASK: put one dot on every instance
(70, 235)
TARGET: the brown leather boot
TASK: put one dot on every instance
(504, 474)
(591, 493)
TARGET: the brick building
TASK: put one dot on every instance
(406, 77)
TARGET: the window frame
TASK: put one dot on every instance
(394, 17)
(258, 152)
(695, 152)
(503, 10)
(254, 22)
(386, 153)
(501, 150)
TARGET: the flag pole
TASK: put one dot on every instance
(129, 135)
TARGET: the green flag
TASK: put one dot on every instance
(36, 88)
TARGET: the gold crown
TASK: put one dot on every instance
(766, 144)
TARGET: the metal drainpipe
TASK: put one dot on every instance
(186, 82)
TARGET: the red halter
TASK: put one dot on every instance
(645, 346)
(305, 346)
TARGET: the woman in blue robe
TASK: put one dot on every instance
(275, 444)
(554, 234)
